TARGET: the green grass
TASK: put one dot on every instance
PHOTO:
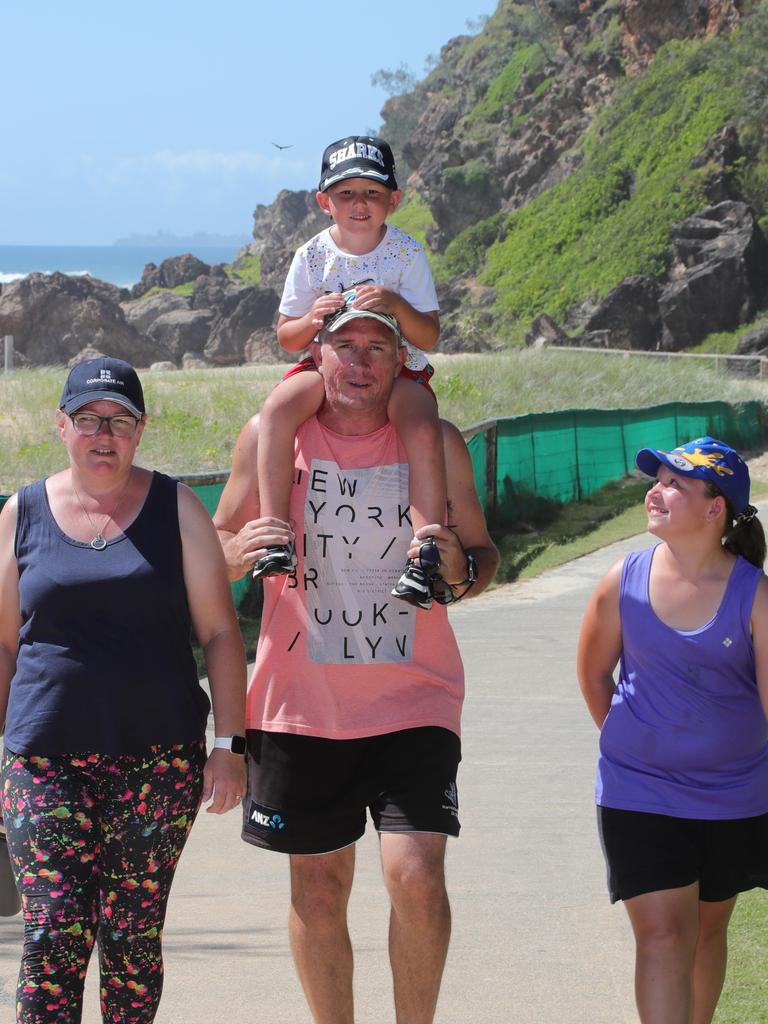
(725, 342)
(505, 86)
(248, 270)
(185, 289)
(745, 993)
(196, 415)
(560, 533)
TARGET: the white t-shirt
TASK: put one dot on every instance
(398, 262)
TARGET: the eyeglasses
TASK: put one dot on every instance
(88, 424)
(442, 592)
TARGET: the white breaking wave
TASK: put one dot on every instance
(11, 276)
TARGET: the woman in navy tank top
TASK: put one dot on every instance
(682, 779)
(104, 569)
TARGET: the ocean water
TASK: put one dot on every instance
(118, 264)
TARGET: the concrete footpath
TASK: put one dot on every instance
(535, 940)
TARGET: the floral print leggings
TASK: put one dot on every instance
(94, 843)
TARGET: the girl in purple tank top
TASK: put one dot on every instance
(682, 779)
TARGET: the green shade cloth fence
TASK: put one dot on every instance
(564, 456)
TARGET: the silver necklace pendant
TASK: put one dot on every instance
(98, 543)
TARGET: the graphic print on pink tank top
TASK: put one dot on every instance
(353, 520)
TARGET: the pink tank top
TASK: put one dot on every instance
(338, 656)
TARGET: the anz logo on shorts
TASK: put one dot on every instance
(264, 818)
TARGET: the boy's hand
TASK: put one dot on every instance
(377, 298)
(324, 306)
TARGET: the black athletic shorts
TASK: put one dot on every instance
(650, 852)
(309, 795)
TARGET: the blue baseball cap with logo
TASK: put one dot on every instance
(103, 379)
(704, 458)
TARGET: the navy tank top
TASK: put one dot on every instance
(105, 663)
(686, 734)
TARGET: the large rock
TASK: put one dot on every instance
(256, 308)
(278, 230)
(183, 330)
(171, 273)
(52, 317)
(215, 290)
(545, 331)
(142, 313)
(721, 156)
(262, 347)
(467, 322)
(719, 276)
(651, 23)
(754, 342)
(630, 314)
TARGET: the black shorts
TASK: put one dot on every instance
(309, 795)
(650, 852)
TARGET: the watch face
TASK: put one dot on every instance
(471, 568)
(238, 745)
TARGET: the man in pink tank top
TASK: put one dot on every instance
(355, 701)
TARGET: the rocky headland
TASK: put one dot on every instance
(576, 168)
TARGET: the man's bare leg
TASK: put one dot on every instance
(322, 951)
(420, 921)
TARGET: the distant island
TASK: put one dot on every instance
(199, 240)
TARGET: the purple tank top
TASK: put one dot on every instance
(686, 734)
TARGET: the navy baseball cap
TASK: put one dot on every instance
(358, 156)
(103, 379)
(705, 458)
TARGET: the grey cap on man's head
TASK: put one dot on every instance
(347, 313)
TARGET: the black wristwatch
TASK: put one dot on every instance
(471, 572)
(235, 744)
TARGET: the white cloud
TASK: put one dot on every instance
(198, 164)
(207, 161)
(169, 169)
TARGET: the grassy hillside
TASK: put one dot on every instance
(637, 176)
(612, 217)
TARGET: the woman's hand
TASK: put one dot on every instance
(600, 645)
(223, 780)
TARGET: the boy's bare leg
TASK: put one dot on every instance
(413, 411)
(289, 405)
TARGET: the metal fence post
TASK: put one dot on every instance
(8, 349)
(491, 469)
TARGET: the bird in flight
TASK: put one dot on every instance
(282, 147)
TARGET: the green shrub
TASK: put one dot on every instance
(472, 176)
(414, 216)
(466, 253)
(504, 87)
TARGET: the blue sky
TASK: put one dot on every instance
(121, 118)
